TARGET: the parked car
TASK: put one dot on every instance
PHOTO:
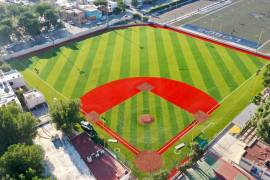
(86, 126)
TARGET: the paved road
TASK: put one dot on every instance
(62, 33)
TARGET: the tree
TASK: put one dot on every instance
(134, 3)
(16, 126)
(137, 16)
(2, 11)
(51, 19)
(121, 5)
(100, 2)
(30, 22)
(15, 10)
(145, 19)
(117, 10)
(257, 99)
(49, 15)
(41, 8)
(65, 114)
(5, 32)
(4, 67)
(263, 129)
(266, 76)
(6, 21)
(196, 152)
(22, 161)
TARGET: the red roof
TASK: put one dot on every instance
(104, 167)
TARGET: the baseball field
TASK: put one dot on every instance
(212, 81)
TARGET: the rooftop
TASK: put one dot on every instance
(7, 94)
(32, 94)
(12, 74)
(258, 153)
(104, 167)
(88, 7)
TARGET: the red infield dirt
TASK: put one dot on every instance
(189, 98)
(148, 161)
(146, 119)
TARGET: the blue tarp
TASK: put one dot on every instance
(223, 36)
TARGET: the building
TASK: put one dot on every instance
(128, 2)
(86, 1)
(33, 98)
(111, 6)
(100, 162)
(75, 15)
(8, 82)
(15, 79)
(256, 160)
(91, 12)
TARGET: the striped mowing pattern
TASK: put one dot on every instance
(75, 69)
(169, 120)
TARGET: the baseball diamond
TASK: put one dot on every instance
(186, 84)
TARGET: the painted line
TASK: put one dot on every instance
(215, 11)
(210, 40)
(245, 82)
(177, 137)
(47, 84)
(175, 171)
(200, 10)
(266, 42)
(119, 138)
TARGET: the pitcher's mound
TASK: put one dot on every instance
(146, 119)
(148, 161)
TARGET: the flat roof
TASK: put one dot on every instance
(10, 99)
(7, 95)
(5, 89)
(12, 74)
(88, 7)
(32, 94)
(106, 166)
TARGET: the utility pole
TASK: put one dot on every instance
(107, 11)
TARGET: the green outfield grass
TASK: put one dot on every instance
(70, 71)
(168, 120)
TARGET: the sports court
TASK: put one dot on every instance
(247, 19)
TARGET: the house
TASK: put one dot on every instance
(86, 1)
(128, 2)
(91, 12)
(14, 78)
(75, 15)
(111, 6)
(256, 160)
(33, 98)
(8, 82)
(102, 163)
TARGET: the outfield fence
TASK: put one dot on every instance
(60, 42)
(90, 33)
